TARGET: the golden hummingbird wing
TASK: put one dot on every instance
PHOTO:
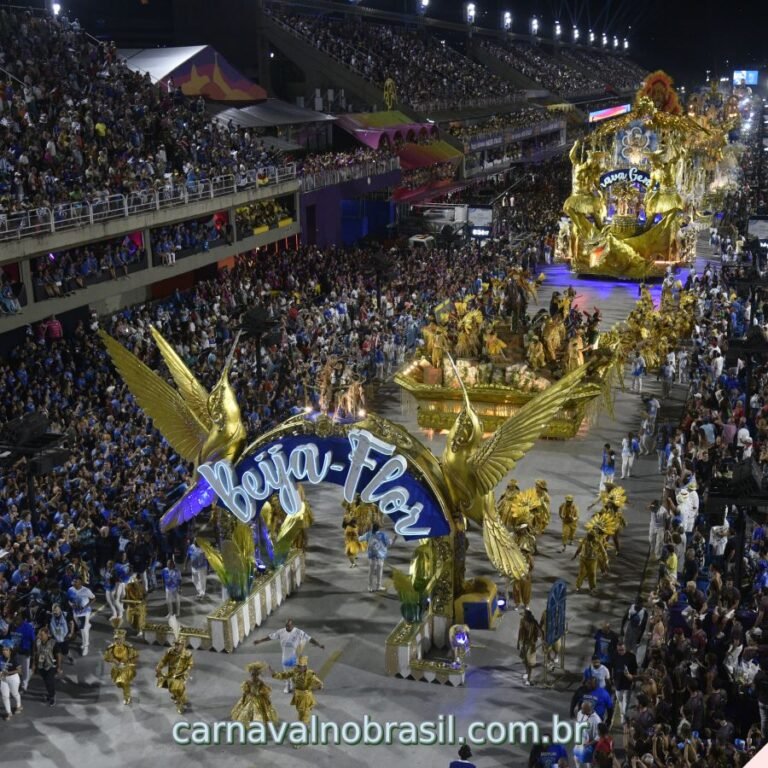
(504, 554)
(192, 391)
(162, 403)
(515, 437)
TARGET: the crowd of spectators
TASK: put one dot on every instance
(188, 237)
(264, 213)
(524, 117)
(341, 161)
(620, 72)
(378, 51)
(77, 125)
(554, 73)
(64, 273)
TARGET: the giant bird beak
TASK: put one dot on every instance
(467, 403)
(231, 355)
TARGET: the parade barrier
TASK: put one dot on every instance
(232, 622)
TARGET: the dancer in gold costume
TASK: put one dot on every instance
(528, 636)
(541, 513)
(590, 552)
(123, 657)
(174, 667)
(136, 605)
(305, 681)
(352, 547)
(569, 514)
(255, 705)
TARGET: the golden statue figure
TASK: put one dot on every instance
(307, 518)
(305, 681)
(662, 196)
(473, 467)
(569, 514)
(123, 657)
(585, 206)
(255, 705)
(506, 505)
(273, 515)
(553, 335)
(200, 427)
(439, 347)
(136, 604)
(174, 667)
(390, 93)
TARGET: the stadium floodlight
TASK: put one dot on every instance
(421, 7)
(534, 26)
(56, 8)
(615, 41)
(605, 39)
(626, 44)
(470, 13)
(575, 33)
(506, 21)
(591, 37)
(558, 29)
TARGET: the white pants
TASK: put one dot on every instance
(84, 622)
(656, 542)
(637, 383)
(173, 596)
(10, 687)
(115, 605)
(626, 464)
(623, 698)
(199, 576)
(375, 573)
(26, 670)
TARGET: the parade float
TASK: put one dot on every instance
(256, 516)
(639, 182)
(506, 361)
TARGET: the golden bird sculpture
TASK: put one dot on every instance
(199, 426)
(473, 467)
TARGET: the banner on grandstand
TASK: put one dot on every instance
(604, 114)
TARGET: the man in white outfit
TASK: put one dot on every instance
(657, 525)
(292, 642)
(81, 599)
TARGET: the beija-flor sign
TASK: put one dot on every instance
(360, 462)
(632, 175)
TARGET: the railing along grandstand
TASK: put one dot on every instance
(60, 218)
(320, 179)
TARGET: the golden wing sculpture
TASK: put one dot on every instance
(199, 426)
(516, 436)
(472, 468)
(167, 408)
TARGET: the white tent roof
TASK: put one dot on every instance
(159, 62)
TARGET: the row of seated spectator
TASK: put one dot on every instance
(264, 213)
(520, 118)
(619, 72)
(333, 161)
(377, 52)
(554, 73)
(76, 124)
(188, 237)
(63, 273)
(421, 177)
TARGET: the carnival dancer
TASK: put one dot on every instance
(172, 583)
(198, 565)
(352, 544)
(255, 704)
(303, 682)
(569, 514)
(590, 551)
(172, 671)
(292, 641)
(123, 657)
(81, 599)
(527, 639)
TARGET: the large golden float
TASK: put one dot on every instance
(638, 184)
